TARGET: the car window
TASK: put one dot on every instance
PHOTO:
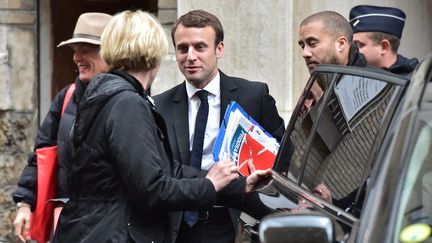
(415, 210)
(333, 134)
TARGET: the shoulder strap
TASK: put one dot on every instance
(67, 97)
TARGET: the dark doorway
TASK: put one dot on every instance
(64, 15)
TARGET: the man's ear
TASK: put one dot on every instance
(385, 46)
(342, 43)
(220, 49)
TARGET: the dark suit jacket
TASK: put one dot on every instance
(253, 97)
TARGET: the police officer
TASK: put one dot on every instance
(377, 33)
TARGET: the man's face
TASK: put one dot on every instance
(370, 49)
(318, 46)
(196, 54)
(88, 61)
(312, 98)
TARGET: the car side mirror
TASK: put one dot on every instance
(302, 227)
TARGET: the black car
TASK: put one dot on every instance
(355, 163)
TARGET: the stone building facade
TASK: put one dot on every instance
(18, 98)
(260, 44)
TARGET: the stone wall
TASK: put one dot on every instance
(261, 38)
(257, 42)
(168, 75)
(18, 100)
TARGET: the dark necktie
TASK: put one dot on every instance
(200, 126)
(191, 217)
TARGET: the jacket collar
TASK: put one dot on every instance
(137, 85)
(403, 66)
(228, 92)
(356, 58)
(180, 121)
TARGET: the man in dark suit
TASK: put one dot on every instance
(198, 40)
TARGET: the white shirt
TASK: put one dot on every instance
(213, 120)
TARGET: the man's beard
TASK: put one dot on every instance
(332, 59)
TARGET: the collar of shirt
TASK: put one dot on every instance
(213, 88)
(212, 127)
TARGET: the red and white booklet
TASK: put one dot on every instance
(255, 153)
(243, 140)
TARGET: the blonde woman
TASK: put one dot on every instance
(122, 178)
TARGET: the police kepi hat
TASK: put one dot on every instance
(88, 29)
(367, 18)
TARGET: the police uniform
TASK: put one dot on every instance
(367, 18)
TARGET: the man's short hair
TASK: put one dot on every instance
(200, 19)
(334, 23)
(133, 40)
(377, 37)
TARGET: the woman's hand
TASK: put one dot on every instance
(22, 222)
(222, 173)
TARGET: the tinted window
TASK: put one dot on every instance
(415, 211)
(333, 134)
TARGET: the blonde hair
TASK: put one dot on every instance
(133, 40)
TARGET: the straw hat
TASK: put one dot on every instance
(88, 28)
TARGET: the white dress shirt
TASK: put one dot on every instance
(213, 120)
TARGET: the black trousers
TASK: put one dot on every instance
(214, 226)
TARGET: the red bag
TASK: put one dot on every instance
(42, 218)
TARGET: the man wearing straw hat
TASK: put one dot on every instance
(85, 43)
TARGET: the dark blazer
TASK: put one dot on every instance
(253, 97)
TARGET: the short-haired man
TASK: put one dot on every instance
(377, 33)
(198, 40)
(326, 38)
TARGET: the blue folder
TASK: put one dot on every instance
(232, 107)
